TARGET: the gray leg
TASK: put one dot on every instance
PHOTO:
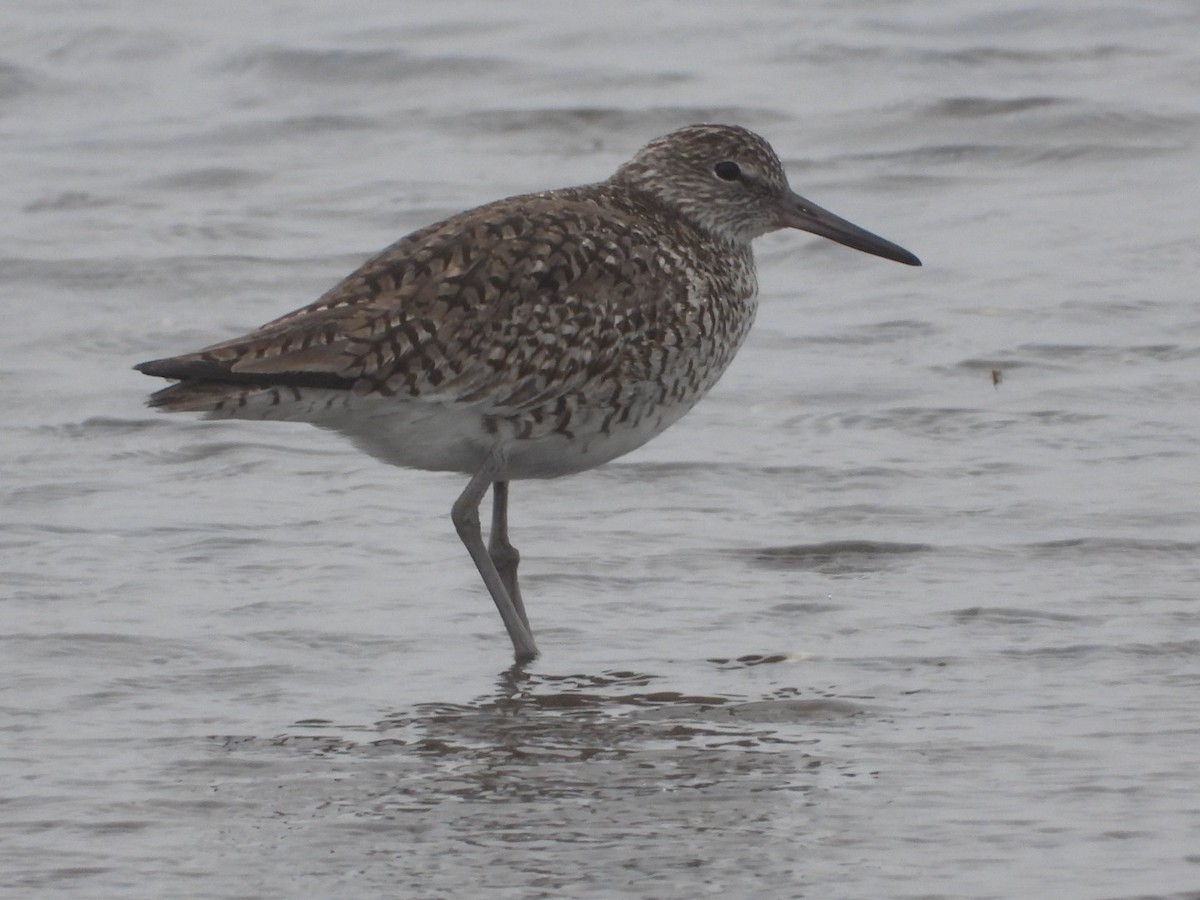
(465, 515)
(504, 554)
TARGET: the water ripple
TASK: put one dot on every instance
(834, 557)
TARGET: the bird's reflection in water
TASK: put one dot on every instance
(542, 736)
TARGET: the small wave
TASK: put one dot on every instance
(976, 107)
(1009, 615)
(206, 179)
(834, 557)
(16, 81)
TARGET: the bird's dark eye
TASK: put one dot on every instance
(727, 170)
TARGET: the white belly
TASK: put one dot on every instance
(456, 438)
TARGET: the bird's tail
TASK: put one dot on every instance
(210, 386)
(215, 397)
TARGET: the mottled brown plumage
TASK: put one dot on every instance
(532, 337)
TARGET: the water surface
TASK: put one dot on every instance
(906, 608)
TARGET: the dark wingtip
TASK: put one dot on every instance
(160, 368)
(195, 370)
(191, 366)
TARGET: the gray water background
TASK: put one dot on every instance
(865, 624)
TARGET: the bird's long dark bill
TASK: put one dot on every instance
(799, 213)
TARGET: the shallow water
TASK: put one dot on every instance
(906, 608)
